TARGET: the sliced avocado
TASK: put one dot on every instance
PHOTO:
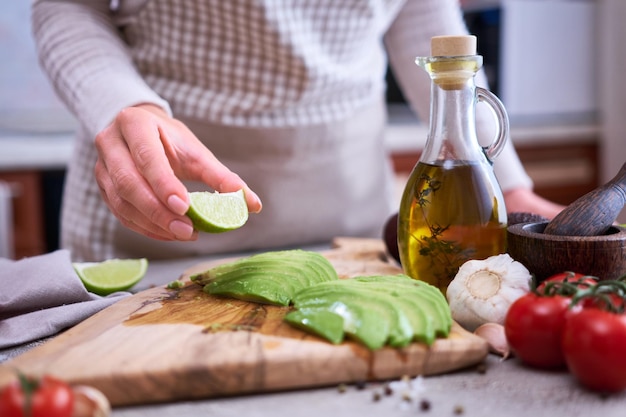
(438, 301)
(310, 267)
(269, 277)
(369, 326)
(298, 255)
(430, 298)
(255, 288)
(370, 311)
(411, 310)
(289, 275)
(420, 316)
(322, 323)
(441, 304)
(326, 270)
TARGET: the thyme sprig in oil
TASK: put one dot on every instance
(440, 251)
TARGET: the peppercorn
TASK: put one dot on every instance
(376, 396)
(481, 368)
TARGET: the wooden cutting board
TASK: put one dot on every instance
(166, 345)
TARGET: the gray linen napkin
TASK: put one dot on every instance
(42, 295)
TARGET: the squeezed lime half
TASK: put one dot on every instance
(214, 212)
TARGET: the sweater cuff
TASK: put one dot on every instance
(127, 92)
(509, 170)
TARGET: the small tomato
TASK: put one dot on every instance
(47, 397)
(578, 280)
(594, 342)
(534, 326)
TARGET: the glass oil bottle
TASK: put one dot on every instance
(452, 208)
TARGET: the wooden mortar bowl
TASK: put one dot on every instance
(545, 255)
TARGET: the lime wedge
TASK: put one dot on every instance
(104, 278)
(217, 212)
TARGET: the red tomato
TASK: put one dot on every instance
(534, 326)
(50, 397)
(594, 342)
(578, 279)
(603, 303)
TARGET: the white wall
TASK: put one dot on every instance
(547, 53)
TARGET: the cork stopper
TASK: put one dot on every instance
(462, 45)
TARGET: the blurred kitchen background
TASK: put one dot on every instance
(558, 66)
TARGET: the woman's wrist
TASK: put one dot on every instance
(153, 108)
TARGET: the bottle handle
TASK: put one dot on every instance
(502, 129)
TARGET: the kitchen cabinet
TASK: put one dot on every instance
(33, 165)
(562, 173)
(34, 205)
(28, 234)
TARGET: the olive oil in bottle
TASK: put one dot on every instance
(452, 209)
(449, 215)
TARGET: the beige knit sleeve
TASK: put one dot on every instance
(87, 62)
(408, 37)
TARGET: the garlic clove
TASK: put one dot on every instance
(90, 402)
(495, 336)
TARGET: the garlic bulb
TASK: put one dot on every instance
(483, 290)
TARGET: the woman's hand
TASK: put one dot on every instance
(142, 158)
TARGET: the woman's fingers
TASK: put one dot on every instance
(135, 220)
(127, 192)
(143, 136)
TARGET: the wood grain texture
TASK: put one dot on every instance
(165, 345)
(545, 255)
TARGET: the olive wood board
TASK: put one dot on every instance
(163, 345)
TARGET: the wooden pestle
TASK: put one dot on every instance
(593, 213)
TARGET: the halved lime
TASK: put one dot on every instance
(217, 212)
(104, 278)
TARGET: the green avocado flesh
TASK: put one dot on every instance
(378, 310)
(375, 311)
(322, 323)
(270, 277)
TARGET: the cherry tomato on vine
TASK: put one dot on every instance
(48, 397)
(534, 326)
(577, 279)
(594, 342)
